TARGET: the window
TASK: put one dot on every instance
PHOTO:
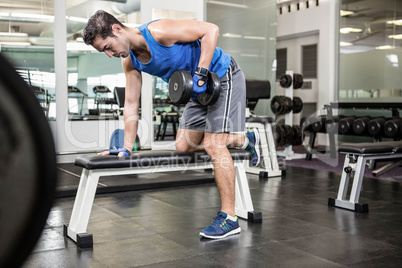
(309, 61)
(281, 61)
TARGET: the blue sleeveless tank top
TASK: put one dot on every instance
(167, 59)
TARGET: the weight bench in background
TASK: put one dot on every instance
(356, 159)
(141, 162)
(269, 167)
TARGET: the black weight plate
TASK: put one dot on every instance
(297, 105)
(288, 132)
(360, 125)
(391, 128)
(345, 125)
(285, 81)
(27, 168)
(297, 81)
(287, 105)
(277, 105)
(211, 96)
(297, 136)
(375, 126)
(279, 136)
(319, 123)
(180, 87)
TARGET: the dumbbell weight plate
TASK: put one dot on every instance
(288, 132)
(297, 135)
(297, 81)
(285, 81)
(287, 105)
(277, 105)
(211, 96)
(375, 126)
(391, 128)
(297, 105)
(279, 135)
(27, 167)
(180, 87)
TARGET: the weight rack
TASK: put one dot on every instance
(288, 152)
(394, 107)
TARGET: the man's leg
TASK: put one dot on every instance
(225, 223)
(188, 140)
(215, 144)
(225, 174)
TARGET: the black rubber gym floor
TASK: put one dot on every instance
(160, 227)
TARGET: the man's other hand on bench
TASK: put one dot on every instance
(116, 151)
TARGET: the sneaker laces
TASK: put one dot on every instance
(218, 220)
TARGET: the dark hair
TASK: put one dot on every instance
(99, 25)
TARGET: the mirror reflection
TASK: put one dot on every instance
(370, 49)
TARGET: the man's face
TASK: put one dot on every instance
(112, 46)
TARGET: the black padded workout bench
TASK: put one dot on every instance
(142, 162)
(357, 155)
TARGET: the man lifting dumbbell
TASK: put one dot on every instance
(160, 48)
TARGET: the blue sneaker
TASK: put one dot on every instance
(221, 227)
(253, 146)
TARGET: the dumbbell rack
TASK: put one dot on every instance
(393, 107)
(288, 153)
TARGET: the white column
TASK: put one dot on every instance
(60, 67)
(147, 7)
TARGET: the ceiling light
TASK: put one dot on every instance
(72, 46)
(33, 16)
(384, 47)
(346, 13)
(350, 30)
(231, 35)
(396, 22)
(250, 55)
(345, 44)
(4, 14)
(7, 34)
(254, 37)
(227, 4)
(77, 19)
(397, 36)
(15, 44)
(131, 25)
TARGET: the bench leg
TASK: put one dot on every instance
(344, 184)
(352, 203)
(243, 202)
(77, 227)
(272, 151)
(269, 158)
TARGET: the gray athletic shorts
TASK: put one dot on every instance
(227, 114)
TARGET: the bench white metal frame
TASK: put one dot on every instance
(269, 166)
(355, 163)
(77, 227)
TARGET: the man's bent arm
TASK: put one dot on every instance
(169, 32)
